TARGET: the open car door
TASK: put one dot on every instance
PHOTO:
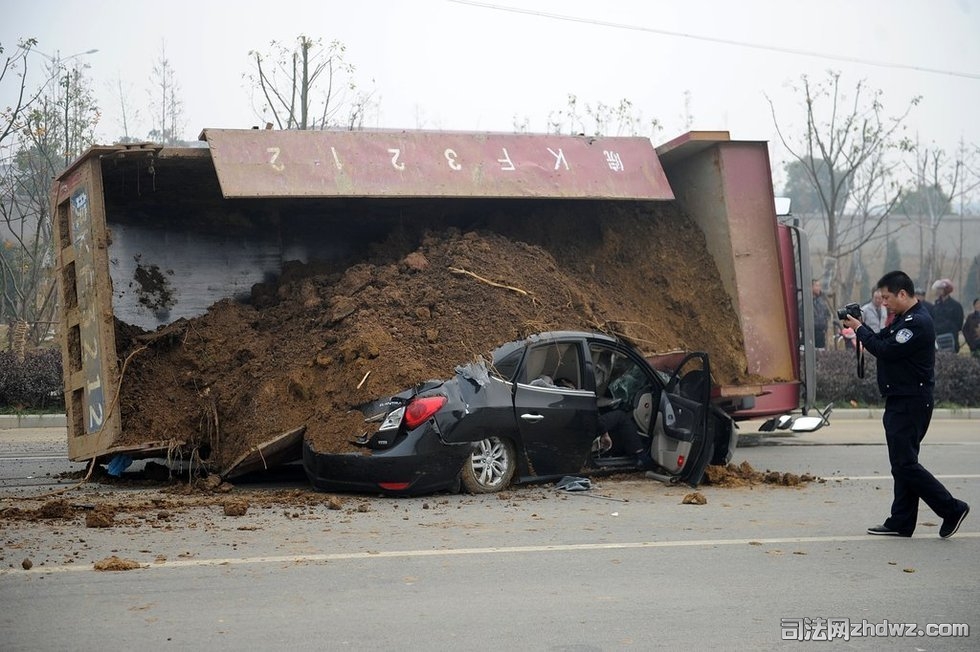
(681, 444)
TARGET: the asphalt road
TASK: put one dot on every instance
(623, 566)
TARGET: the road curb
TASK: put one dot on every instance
(8, 421)
(876, 413)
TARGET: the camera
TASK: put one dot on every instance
(852, 309)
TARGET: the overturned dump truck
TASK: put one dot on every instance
(223, 303)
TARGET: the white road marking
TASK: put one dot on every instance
(451, 552)
(966, 476)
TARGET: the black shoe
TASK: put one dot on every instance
(882, 531)
(952, 524)
(643, 461)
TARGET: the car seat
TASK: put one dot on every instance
(643, 412)
(602, 368)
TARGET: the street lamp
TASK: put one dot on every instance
(57, 59)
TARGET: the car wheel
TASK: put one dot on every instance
(490, 467)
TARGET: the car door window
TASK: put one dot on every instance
(555, 364)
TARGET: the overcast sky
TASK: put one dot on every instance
(444, 64)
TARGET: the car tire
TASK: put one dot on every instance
(490, 467)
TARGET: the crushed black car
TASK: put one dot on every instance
(532, 413)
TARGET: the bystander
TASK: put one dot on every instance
(947, 314)
(873, 313)
(971, 329)
(821, 315)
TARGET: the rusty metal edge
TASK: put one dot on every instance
(280, 449)
(139, 451)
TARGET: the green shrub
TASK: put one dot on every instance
(957, 380)
(35, 383)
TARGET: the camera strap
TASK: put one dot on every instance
(859, 354)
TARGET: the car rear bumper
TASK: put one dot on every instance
(391, 471)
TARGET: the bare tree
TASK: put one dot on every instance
(844, 149)
(687, 117)
(308, 86)
(938, 182)
(47, 129)
(127, 115)
(13, 73)
(165, 105)
(873, 195)
(601, 119)
(520, 124)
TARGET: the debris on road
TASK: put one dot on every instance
(114, 563)
(695, 498)
(743, 475)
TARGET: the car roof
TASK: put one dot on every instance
(544, 336)
(562, 335)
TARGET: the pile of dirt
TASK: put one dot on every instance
(100, 517)
(320, 341)
(169, 505)
(743, 475)
(114, 563)
(694, 498)
(57, 509)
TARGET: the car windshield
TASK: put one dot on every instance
(625, 385)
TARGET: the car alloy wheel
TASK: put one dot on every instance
(490, 466)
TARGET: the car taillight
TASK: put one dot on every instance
(680, 461)
(394, 486)
(421, 410)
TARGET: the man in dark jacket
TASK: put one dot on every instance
(906, 355)
(947, 313)
(971, 329)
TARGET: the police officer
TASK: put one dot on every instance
(906, 354)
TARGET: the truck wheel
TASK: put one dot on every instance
(490, 467)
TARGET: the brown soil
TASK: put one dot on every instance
(58, 508)
(694, 498)
(310, 348)
(236, 507)
(100, 517)
(114, 563)
(171, 503)
(743, 475)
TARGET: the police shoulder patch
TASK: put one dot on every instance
(903, 336)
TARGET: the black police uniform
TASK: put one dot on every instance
(906, 357)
